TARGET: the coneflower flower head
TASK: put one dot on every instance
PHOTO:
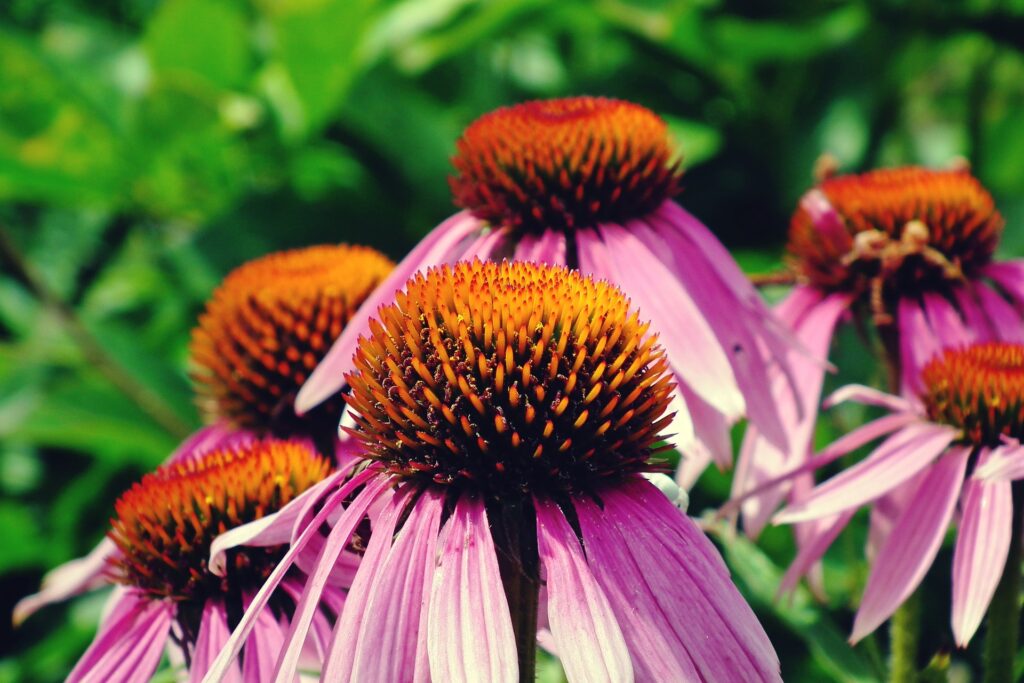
(508, 411)
(268, 325)
(163, 531)
(588, 182)
(956, 444)
(910, 252)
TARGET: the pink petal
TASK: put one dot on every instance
(491, 245)
(946, 322)
(1004, 320)
(899, 458)
(982, 544)
(549, 247)
(213, 635)
(917, 344)
(858, 393)
(1009, 275)
(70, 578)
(812, 547)
(827, 223)
(1005, 463)
(469, 627)
(442, 245)
(262, 648)
(218, 435)
(128, 646)
(913, 543)
(667, 583)
(586, 634)
(813, 319)
(680, 325)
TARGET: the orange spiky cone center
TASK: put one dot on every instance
(564, 164)
(978, 389)
(510, 378)
(165, 523)
(911, 229)
(269, 324)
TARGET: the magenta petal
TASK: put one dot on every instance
(469, 627)
(70, 578)
(899, 458)
(912, 544)
(682, 328)
(586, 634)
(262, 648)
(213, 635)
(549, 247)
(129, 645)
(443, 245)
(666, 582)
(982, 544)
(1009, 275)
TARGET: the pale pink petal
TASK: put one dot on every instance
(858, 393)
(917, 344)
(491, 245)
(682, 329)
(442, 245)
(913, 543)
(812, 547)
(887, 510)
(828, 224)
(469, 627)
(341, 652)
(813, 319)
(213, 635)
(70, 578)
(586, 634)
(318, 579)
(128, 646)
(899, 458)
(262, 648)
(549, 247)
(1005, 463)
(982, 544)
(666, 582)
(372, 479)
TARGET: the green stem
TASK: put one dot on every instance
(904, 631)
(1003, 621)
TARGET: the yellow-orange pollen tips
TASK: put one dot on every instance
(564, 164)
(510, 378)
(166, 523)
(894, 232)
(269, 324)
(979, 389)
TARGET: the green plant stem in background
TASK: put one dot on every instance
(18, 267)
(904, 631)
(1003, 621)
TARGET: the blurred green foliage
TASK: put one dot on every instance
(148, 147)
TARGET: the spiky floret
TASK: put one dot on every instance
(979, 389)
(269, 324)
(900, 230)
(510, 378)
(564, 164)
(164, 524)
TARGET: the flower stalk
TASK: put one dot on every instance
(514, 531)
(905, 631)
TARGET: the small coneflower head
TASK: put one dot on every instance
(165, 523)
(269, 324)
(911, 227)
(979, 390)
(564, 164)
(511, 378)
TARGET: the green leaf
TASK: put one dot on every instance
(201, 40)
(697, 142)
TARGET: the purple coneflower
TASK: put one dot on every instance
(909, 251)
(968, 417)
(507, 413)
(588, 183)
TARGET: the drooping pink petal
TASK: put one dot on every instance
(813, 319)
(1005, 463)
(491, 245)
(912, 544)
(213, 635)
(886, 511)
(129, 645)
(318, 580)
(225, 659)
(828, 224)
(899, 458)
(341, 652)
(982, 545)
(1004, 319)
(1009, 275)
(917, 344)
(682, 328)
(585, 631)
(548, 247)
(812, 547)
(71, 578)
(443, 245)
(262, 649)
(700, 433)
(469, 627)
(666, 583)
(858, 393)
(946, 322)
